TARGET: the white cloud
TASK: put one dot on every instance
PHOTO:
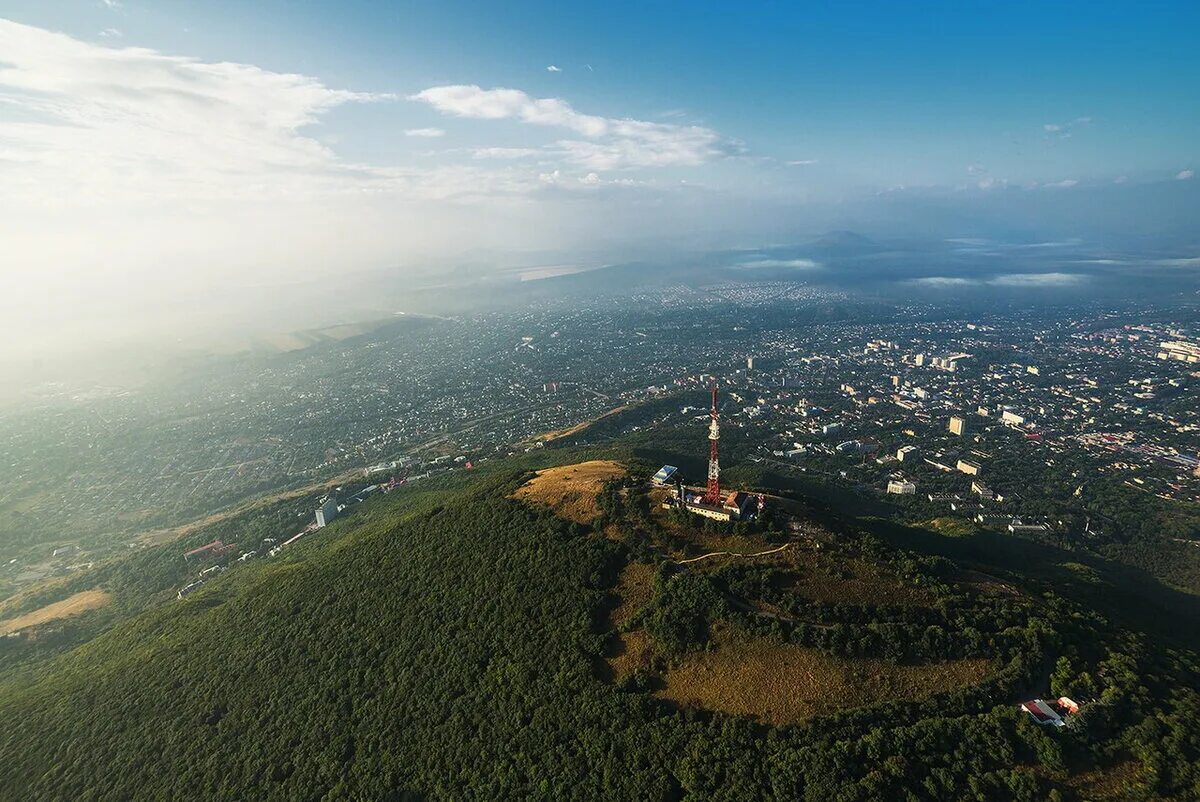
(133, 180)
(1184, 175)
(1121, 179)
(608, 144)
(100, 123)
(554, 68)
(792, 264)
(505, 153)
(801, 162)
(1064, 129)
(1035, 279)
(943, 281)
(113, 4)
(559, 179)
(111, 33)
(427, 133)
(1066, 183)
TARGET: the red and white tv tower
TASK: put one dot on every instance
(713, 494)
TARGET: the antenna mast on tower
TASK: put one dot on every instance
(713, 494)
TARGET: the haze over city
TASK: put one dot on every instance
(648, 401)
(171, 166)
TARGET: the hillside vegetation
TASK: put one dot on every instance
(449, 642)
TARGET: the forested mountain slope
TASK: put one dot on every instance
(451, 644)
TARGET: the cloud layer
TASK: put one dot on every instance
(99, 123)
(608, 143)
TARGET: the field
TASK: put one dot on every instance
(781, 683)
(571, 490)
(72, 605)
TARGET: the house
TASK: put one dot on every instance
(937, 463)
(1068, 704)
(1043, 713)
(214, 549)
(982, 490)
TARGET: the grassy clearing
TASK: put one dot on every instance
(951, 527)
(548, 437)
(986, 583)
(1113, 782)
(571, 490)
(781, 683)
(825, 577)
(633, 650)
(15, 601)
(72, 605)
(635, 589)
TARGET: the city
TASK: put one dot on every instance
(952, 414)
(573, 401)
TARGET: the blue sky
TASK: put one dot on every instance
(152, 147)
(878, 94)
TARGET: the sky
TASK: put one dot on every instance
(153, 151)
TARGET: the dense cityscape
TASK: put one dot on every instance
(956, 417)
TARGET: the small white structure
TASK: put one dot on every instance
(1043, 712)
(664, 475)
(190, 588)
(969, 467)
(327, 512)
(1012, 418)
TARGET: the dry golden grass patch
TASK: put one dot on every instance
(633, 651)
(635, 589)
(782, 683)
(579, 427)
(17, 599)
(72, 605)
(571, 490)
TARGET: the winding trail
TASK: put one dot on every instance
(732, 554)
